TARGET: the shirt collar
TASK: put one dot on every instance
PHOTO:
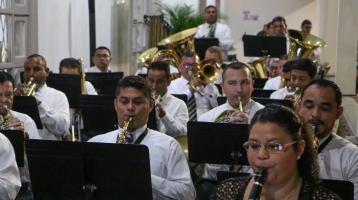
(320, 141)
(136, 133)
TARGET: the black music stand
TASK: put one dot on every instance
(259, 46)
(267, 101)
(344, 189)
(98, 113)
(152, 120)
(260, 82)
(262, 93)
(182, 97)
(68, 84)
(217, 143)
(105, 83)
(67, 170)
(28, 105)
(202, 44)
(17, 140)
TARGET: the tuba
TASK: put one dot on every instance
(303, 46)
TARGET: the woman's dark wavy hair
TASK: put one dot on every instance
(297, 129)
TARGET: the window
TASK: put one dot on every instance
(14, 28)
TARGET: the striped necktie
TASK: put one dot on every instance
(212, 28)
(129, 138)
(192, 108)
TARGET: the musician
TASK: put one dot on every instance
(216, 54)
(9, 174)
(281, 145)
(214, 29)
(172, 113)
(279, 26)
(306, 27)
(285, 82)
(237, 85)
(101, 59)
(53, 105)
(274, 68)
(320, 107)
(187, 84)
(73, 66)
(169, 168)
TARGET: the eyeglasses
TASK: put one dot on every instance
(7, 94)
(190, 66)
(102, 56)
(272, 147)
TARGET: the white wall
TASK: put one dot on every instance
(63, 30)
(103, 22)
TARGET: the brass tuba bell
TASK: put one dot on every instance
(303, 46)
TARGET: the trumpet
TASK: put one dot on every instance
(4, 119)
(30, 87)
(122, 136)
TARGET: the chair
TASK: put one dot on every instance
(344, 189)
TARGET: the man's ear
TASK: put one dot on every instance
(115, 105)
(151, 104)
(339, 112)
(47, 70)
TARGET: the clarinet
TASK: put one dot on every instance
(259, 180)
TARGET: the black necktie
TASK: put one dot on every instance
(129, 138)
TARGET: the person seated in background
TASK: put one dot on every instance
(274, 68)
(102, 58)
(52, 104)
(172, 113)
(285, 82)
(215, 53)
(201, 97)
(13, 120)
(306, 27)
(169, 168)
(73, 66)
(214, 29)
(267, 30)
(9, 173)
(321, 106)
(281, 146)
(279, 26)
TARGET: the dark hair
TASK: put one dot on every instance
(102, 48)
(70, 63)
(287, 66)
(4, 76)
(236, 66)
(188, 54)
(298, 130)
(36, 56)
(210, 6)
(323, 83)
(160, 65)
(305, 65)
(279, 19)
(306, 22)
(136, 82)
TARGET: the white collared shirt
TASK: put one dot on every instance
(174, 121)
(90, 89)
(9, 174)
(54, 113)
(222, 32)
(203, 103)
(96, 69)
(280, 93)
(169, 168)
(273, 83)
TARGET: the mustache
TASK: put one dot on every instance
(315, 122)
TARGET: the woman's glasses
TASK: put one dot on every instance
(272, 147)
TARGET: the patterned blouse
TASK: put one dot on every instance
(234, 189)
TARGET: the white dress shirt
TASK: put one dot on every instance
(273, 83)
(95, 69)
(203, 103)
(31, 129)
(170, 173)
(54, 113)
(222, 32)
(144, 70)
(90, 89)
(280, 93)
(251, 108)
(174, 121)
(9, 174)
(339, 160)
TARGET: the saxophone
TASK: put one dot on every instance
(30, 87)
(122, 136)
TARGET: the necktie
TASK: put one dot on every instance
(211, 30)
(192, 108)
(129, 138)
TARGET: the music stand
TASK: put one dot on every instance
(68, 84)
(105, 83)
(28, 105)
(257, 92)
(98, 113)
(202, 44)
(17, 140)
(259, 46)
(182, 97)
(217, 143)
(260, 82)
(267, 101)
(67, 170)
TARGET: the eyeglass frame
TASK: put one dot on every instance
(106, 56)
(282, 147)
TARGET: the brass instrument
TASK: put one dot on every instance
(303, 46)
(259, 66)
(145, 58)
(83, 78)
(225, 117)
(167, 55)
(30, 87)
(4, 119)
(122, 136)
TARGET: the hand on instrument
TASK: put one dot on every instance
(238, 117)
(16, 124)
(161, 111)
(20, 89)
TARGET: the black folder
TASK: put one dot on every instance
(202, 44)
(76, 170)
(263, 101)
(28, 105)
(259, 46)
(17, 140)
(104, 83)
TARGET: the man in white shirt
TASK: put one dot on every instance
(320, 107)
(214, 29)
(193, 87)
(101, 59)
(172, 113)
(240, 108)
(16, 121)
(215, 53)
(169, 169)
(53, 105)
(9, 174)
(73, 66)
